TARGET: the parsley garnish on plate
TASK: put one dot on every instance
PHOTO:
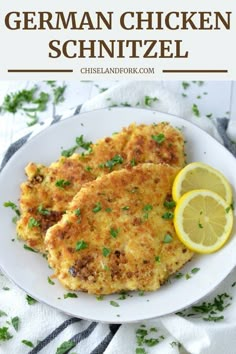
(50, 281)
(70, 295)
(106, 252)
(97, 207)
(114, 232)
(13, 206)
(81, 245)
(86, 145)
(41, 210)
(117, 159)
(167, 238)
(160, 138)
(61, 183)
(33, 222)
(27, 248)
(169, 204)
(114, 303)
(168, 215)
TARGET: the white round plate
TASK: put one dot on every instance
(30, 271)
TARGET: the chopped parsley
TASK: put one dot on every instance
(148, 207)
(209, 115)
(28, 343)
(168, 215)
(157, 259)
(149, 100)
(117, 159)
(4, 334)
(97, 207)
(160, 138)
(41, 210)
(185, 85)
(80, 143)
(2, 313)
(125, 208)
(209, 311)
(69, 152)
(144, 339)
(106, 251)
(61, 183)
(86, 145)
(50, 281)
(195, 270)
(169, 204)
(77, 212)
(167, 238)
(114, 232)
(140, 351)
(27, 248)
(30, 300)
(133, 162)
(195, 110)
(65, 347)
(15, 100)
(231, 207)
(70, 295)
(178, 275)
(81, 245)
(88, 168)
(33, 222)
(114, 303)
(13, 206)
(58, 94)
(200, 225)
(99, 297)
(108, 210)
(15, 321)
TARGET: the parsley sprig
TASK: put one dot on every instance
(209, 311)
(31, 102)
(80, 143)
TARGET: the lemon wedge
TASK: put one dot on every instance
(198, 175)
(203, 221)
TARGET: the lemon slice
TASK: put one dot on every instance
(198, 175)
(203, 221)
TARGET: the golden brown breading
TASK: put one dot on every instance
(53, 187)
(118, 233)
